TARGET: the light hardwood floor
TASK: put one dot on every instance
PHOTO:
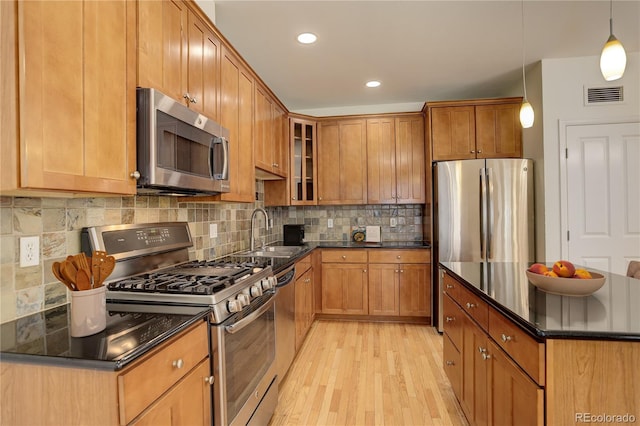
(359, 373)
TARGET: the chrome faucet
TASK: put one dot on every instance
(253, 218)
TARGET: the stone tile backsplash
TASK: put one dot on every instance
(59, 221)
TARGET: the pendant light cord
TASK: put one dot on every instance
(610, 17)
(524, 84)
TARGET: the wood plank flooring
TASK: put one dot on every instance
(359, 373)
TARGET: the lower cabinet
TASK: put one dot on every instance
(492, 388)
(344, 288)
(304, 310)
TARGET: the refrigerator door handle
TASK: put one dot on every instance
(482, 209)
(490, 213)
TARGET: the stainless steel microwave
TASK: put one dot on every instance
(179, 151)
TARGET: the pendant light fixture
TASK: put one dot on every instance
(613, 59)
(526, 110)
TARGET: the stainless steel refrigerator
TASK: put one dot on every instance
(483, 212)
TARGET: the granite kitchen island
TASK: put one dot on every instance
(518, 355)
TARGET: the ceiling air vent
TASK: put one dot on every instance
(603, 95)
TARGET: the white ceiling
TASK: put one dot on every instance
(419, 50)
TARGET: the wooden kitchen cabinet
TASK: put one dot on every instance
(271, 146)
(342, 168)
(236, 114)
(396, 160)
(178, 55)
(170, 385)
(304, 293)
(490, 383)
(304, 171)
(399, 283)
(485, 128)
(344, 282)
(57, 137)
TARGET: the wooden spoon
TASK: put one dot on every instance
(82, 280)
(106, 268)
(56, 272)
(69, 272)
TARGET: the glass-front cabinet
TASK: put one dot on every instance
(303, 162)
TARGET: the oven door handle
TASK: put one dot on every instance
(234, 328)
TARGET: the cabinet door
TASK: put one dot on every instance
(344, 289)
(187, 403)
(68, 129)
(498, 131)
(236, 114)
(452, 363)
(475, 388)
(264, 131)
(381, 161)
(280, 141)
(384, 289)
(410, 160)
(202, 83)
(342, 168)
(162, 48)
(415, 290)
(303, 162)
(515, 398)
(453, 133)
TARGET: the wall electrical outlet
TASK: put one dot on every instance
(29, 251)
(393, 222)
(213, 230)
(329, 223)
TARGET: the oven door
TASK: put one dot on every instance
(244, 366)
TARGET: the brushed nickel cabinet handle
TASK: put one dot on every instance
(505, 338)
(470, 305)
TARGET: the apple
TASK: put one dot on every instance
(538, 268)
(550, 273)
(564, 268)
(582, 274)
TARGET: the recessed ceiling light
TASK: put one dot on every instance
(307, 38)
(373, 83)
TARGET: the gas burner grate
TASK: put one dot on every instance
(173, 283)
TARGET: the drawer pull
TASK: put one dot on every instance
(398, 257)
(483, 353)
(449, 319)
(471, 305)
(505, 338)
(449, 286)
(209, 380)
(485, 356)
(179, 363)
(344, 257)
(450, 363)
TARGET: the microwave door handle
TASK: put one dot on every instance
(211, 150)
(225, 166)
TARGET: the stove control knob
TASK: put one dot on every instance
(234, 306)
(256, 290)
(244, 299)
(273, 281)
(265, 284)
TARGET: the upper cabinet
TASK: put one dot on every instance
(486, 128)
(57, 137)
(271, 143)
(178, 54)
(342, 162)
(396, 160)
(304, 171)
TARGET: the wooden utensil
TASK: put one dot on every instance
(82, 280)
(106, 268)
(81, 262)
(56, 273)
(95, 269)
(69, 271)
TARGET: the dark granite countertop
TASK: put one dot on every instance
(132, 330)
(611, 313)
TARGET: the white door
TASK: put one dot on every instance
(603, 195)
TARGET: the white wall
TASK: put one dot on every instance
(562, 97)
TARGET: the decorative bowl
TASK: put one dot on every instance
(567, 286)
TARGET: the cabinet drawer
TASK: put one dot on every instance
(344, 256)
(452, 317)
(151, 377)
(474, 306)
(452, 364)
(303, 265)
(450, 286)
(524, 349)
(399, 256)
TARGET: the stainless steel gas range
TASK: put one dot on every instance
(153, 268)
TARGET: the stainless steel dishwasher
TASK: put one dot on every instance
(285, 320)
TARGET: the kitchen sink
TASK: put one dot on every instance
(273, 251)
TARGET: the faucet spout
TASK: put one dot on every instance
(253, 218)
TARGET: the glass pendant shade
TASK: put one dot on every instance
(526, 114)
(613, 60)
